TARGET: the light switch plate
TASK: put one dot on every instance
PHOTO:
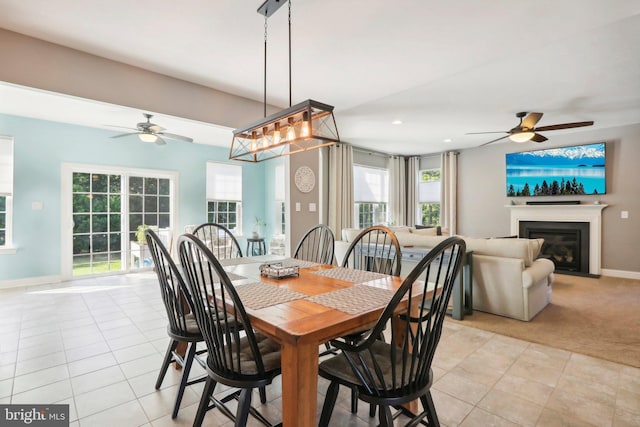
(624, 214)
(312, 207)
(298, 208)
(36, 206)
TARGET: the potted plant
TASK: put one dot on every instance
(258, 228)
(141, 234)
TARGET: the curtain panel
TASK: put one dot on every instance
(397, 191)
(413, 168)
(448, 195)
(340, 188)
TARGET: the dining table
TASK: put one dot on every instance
(304, 311)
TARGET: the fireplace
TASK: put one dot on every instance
(563, 213)
(565, 243)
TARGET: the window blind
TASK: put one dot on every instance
(224, 182)
(370, 184)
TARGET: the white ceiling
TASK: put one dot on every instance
(444, 68)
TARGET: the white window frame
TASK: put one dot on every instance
(370, 191)
(6, 190)
(218, 173)
(429, 192)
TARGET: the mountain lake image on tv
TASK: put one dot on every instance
(559, 171)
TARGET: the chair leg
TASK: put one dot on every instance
(186, 369)
(244, 402)
(372, 410)
(209, 386)
(354, 401)
(329, 403)
(263, 394)
(385, 417)
(168, 358)
(430, 408)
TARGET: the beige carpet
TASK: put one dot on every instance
(596, 317)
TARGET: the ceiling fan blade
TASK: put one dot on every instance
(125, 134)
(530, 121)
(121, 127)
(538, 138)
(564, 126)
(495, 140)
(160, 141)
(480, 133)
(174, 136)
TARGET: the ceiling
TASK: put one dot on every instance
(442, 68)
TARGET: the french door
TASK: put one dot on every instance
(104, 208)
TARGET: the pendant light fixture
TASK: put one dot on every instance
(301, 127)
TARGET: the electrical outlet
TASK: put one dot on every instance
(298, 208)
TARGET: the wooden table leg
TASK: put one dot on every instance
(299, 384)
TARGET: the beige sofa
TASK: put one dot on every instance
(508, 277)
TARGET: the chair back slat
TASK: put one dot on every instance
(220, 241)
(317, 245)
(219, 313)
(427, 290)
(175, 297)
(375, 249)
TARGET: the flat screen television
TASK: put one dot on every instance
(563, 171)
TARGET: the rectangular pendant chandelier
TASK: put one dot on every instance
(305, 126)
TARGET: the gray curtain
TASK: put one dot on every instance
(449, 192)
(413, 167)
(397, 190)
(340, 188)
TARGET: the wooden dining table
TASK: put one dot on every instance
(301, 325)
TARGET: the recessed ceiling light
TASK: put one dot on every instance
(448, 140)
(396, 122)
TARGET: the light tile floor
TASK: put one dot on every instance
(97, 345)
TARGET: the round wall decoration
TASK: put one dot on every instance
(305, 179)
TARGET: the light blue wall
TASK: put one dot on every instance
(40, 148)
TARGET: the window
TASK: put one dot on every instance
(371, 195)
(6, 190)
(224, 195)
(281, 217)
(97, 223)
(429, 197)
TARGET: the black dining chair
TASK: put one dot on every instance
(240, 359)
(317, 245)
(398, 372)
(375, 249)
(220, 241)
(182, 325)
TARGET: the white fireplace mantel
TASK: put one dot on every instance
(591, 213)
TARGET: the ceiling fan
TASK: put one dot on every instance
(526, 130)
(151, 132)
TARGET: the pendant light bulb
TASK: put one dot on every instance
(265, 137)
(254, 141)
(276, 133)
(291, 131)
(304, 132)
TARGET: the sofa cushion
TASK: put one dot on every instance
(419, 240)
(433, 231)
(506, 248)
(348, 234)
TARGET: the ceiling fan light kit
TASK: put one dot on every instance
(305, 126)
(526, 130)
(152, 133)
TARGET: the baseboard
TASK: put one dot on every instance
(29, 281)
(620, 273)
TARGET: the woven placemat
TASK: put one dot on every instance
(260, 295)
(355, 299)
(350, 275)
